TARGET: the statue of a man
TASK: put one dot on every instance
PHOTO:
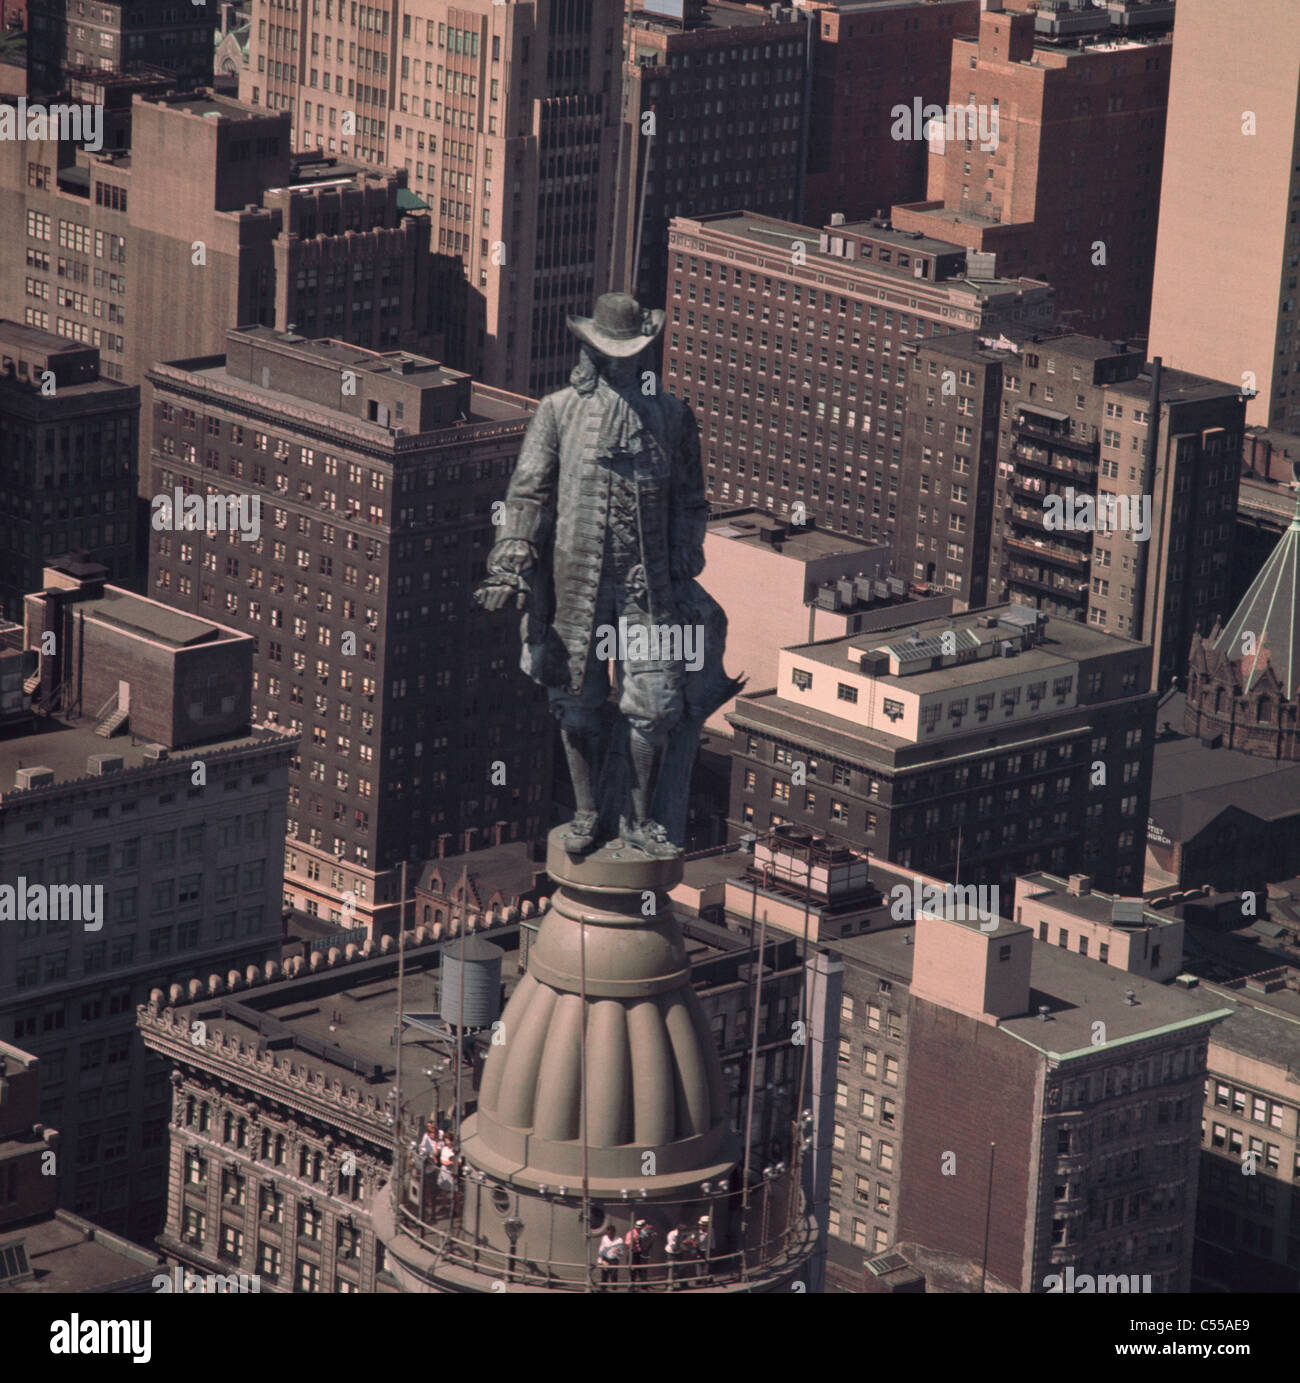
(601, 537)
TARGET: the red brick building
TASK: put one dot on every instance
(1070, 190)
(869, 57)
(1053, 1123)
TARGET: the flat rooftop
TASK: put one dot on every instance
(347, 1016)
(69, 1254)
(65, 747)
(775, 234)
(209, 104)
(1269, 1033)
(713, 17)
(155, 621)
(1076, 991)
(1091, 906)
(487, 405)
(1062, 642)
(1176, 386)
(799, 542)
(904, 239)
(954, 215)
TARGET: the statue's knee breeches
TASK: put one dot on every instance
(579, 713)
(650, 699)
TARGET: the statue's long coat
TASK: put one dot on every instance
(558, 501)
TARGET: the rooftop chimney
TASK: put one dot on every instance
(1080, 885)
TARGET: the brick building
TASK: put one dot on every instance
(709, 152)
(947, 508)
(1053, 1106)
(868, 58)
(829, 437)
(1069, 188)
(1029, 451)
(68, 443)
(968, 747)
(119, 36)
(178, 819)
(507, 120)
(375, 475)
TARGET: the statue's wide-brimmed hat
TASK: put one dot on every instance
(620, 326)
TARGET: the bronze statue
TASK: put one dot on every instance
(601, 538)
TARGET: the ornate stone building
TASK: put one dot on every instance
(1243, 679)
(282, 1129)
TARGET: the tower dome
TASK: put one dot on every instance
(602, 1106)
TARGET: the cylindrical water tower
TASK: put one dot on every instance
(474, 968)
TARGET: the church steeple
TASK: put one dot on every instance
(1264, 630)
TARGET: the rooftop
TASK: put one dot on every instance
(1264, 1033)
(209, 105)
(799, 542)
(69, 1254)
(781, 235)
(1079, 992)
(152, 620)
(1093, 906)
(1076, 991)
(486, 405)
(1269, 615)
(1062, 642)
(1191, 785)
(508, 869)
(65, 747)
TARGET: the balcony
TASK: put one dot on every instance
(1074, 593)
(446, 1244)
(1069, 558)
(1035, 458)
(1052, 434)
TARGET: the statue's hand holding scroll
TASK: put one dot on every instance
(508, 565)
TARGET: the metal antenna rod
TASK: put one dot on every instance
(401, 995)
(582, 1057)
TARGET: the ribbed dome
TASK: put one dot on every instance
(648, 1068)
(654, 1080)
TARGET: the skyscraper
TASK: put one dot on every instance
(1225, 302)
(374, 474)
(507, 120)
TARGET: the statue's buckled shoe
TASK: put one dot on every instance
(581, 833)
(650, 838)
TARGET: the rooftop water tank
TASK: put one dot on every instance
(480, 975)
